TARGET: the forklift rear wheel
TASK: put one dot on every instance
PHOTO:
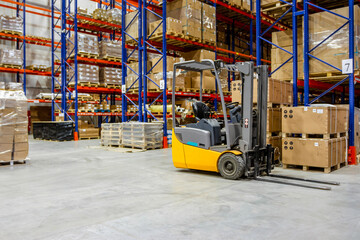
(231, 166)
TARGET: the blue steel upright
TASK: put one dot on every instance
(125, 56)
(308, 54)
(293, 55)
(22, 7)
(147, 9)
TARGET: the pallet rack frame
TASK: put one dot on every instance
(326, 87)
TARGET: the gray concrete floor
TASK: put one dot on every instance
(74, 190)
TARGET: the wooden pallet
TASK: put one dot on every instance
(113, 59)
(143, 147)
(192, 38)
(34, 68)
(318, 136)
(211, 43)
(273, 134)
(11, 32)
(158, 35)
(89, 138)
(110, 85)
(12, 162)
(192, 90)
(311, 168)
(177, 89)
(156, 90)
(10, 66)
(86, 55)
(87, 84)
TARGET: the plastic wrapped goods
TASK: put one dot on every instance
(11, 24)
(11, 57)
(13, 126)
(114, 16)
(110, 49)
(86, 73)
(110, 75)
(86, 44)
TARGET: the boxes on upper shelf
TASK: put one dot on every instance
(189, 13)
(208, 24)
(279, 92)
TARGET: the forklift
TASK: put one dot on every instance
(234, 146)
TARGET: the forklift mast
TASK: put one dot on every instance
(247, 70)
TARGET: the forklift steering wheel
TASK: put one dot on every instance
(231, 105)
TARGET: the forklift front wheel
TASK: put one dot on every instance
(231, 166)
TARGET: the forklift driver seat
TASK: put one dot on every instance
(201, 110)
(204, 122)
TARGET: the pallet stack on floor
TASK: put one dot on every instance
(14, 144)
(111, 134)
(142, 135)
(315, 137)
(132, 135)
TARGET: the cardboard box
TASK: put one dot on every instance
(319, 152)
(199, 55)
(335, 49)
(279, 92)
(6, 147)
(21, 146)
(208, 82)
(6, 139)
(5, 156)
(286, 71)
(172, 26)
(7, 129)
(159, 66)
(21, 138)
(279, 56)
(273, 120)
(285, 38)
(20, 155)
(314, 120)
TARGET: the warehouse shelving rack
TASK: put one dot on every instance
(22, 41)
(295, 10)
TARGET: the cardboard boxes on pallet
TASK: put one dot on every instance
(13, 126)
(86, 73)
(173, 27)
(189, 13)
(87, 44)
(110, 50)
(314, 136)
(335, 49)
(110, 75)
(208, 24)
(88, 131)
(11, 24)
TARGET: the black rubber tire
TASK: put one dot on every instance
(231, 166)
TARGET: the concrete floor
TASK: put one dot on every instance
(75, 190)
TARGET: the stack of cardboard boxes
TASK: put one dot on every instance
(13, 126)
(208, 24)
(110, 50)
(110, 75)
(88, 131)
(189, 13)
(314, 136)
(284, 39)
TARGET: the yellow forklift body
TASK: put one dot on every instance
(191, 157)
